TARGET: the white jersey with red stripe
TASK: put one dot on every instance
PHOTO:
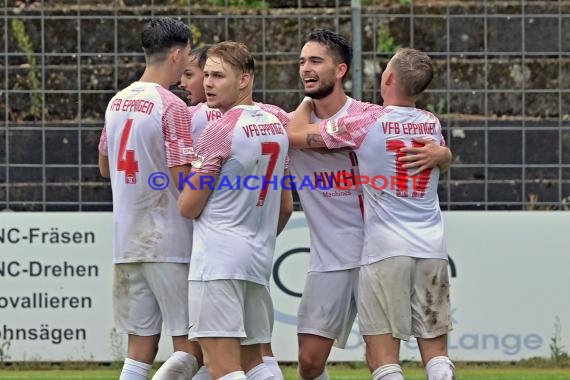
(402, 214)
(201, 115)
(147, 131)
(234, 236)
(334, 216)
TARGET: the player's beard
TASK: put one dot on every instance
(325, 89)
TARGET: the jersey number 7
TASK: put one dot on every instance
(126, 160)
(272, 149)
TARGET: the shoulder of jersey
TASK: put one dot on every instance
(170, 96)
(270, 115)
(358, 106)
(429, 114)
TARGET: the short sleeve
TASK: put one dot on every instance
(348, 131)
(215, 144)
(177, 134)
(284, 117)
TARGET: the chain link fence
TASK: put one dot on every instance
(501, 87)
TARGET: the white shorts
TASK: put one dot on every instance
(147, 294)
(230, 309)
(404, 296)
(328, 305)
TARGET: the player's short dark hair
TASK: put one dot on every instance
(235, 54)
(337, 45)
(201, 54)
(161, 34)
(414, 70)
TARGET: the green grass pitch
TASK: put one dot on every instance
(335, 372)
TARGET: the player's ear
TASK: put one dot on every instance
(176, 55)
(245, 80)
(390, 78)
(341, 70)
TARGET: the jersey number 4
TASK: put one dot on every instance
(402, 179)
(127, 162)
(272, 149)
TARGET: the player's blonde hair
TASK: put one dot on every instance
(235, 54)
(414, 70)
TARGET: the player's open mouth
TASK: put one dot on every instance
(310, 82)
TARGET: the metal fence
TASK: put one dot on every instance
(501, 86)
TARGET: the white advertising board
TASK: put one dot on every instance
(509, 284)
(56, 276)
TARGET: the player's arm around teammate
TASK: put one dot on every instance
(324, 318)
(404, 284)
(428, 154)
